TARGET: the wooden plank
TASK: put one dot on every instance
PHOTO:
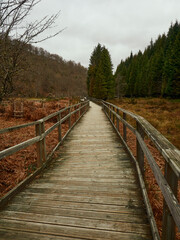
(122, 193)
(19, 235)
(9, 151)
(10, 129)
(56, 199)
(102, 177)
(37, 207)
(112, 222)
(59, 182)
(91, 188)
(69, 231)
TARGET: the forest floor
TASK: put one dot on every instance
(164, 115)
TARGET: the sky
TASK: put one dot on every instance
(121, 26)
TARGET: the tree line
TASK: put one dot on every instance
(154, 72)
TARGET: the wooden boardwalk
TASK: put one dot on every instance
(90, 192)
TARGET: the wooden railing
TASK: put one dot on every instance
(65, 114)
(168, 182)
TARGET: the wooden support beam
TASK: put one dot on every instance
(139, 151)
(113, 115)
(44, 155)
(124, 128)
(39, 146)
(69, 112)
(117, 121)
(59, 128)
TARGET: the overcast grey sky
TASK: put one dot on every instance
(121, 25)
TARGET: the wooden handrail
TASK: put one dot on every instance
(169, 182)
(10, 129)
(168, 150)
(41, 133)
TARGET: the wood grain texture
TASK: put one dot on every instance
(90, 192)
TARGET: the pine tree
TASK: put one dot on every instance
(100, 81)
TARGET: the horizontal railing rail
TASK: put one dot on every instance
(41, 133)
(168, 182)
(65, 114)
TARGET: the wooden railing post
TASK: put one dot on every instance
(113, 115)
(117, 120)
(39, 146)
(168, 227)
(124, 128)
(75, 115)
(139, 151)
(110, 111)
(79, 109)
(69, 112)
(83, 109)
(103, 107)
(59, 128)
(43, 142)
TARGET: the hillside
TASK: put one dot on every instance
(41, 74)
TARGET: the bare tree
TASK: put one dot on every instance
(14, 38)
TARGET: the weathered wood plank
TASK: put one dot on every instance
(69, 231)
(19, 235)
(119, 223)
(55, 198)
(131, 211)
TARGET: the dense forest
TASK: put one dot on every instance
(154, 72)
(100, 80)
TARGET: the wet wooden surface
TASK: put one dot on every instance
(90, 192)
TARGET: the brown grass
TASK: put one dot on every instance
(15, 168)
(164, 115)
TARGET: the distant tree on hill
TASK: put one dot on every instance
(100, 80)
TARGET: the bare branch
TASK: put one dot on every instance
(12, 16)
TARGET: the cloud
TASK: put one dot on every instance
(121, 25)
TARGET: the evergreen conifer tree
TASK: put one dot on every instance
(100, 80)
